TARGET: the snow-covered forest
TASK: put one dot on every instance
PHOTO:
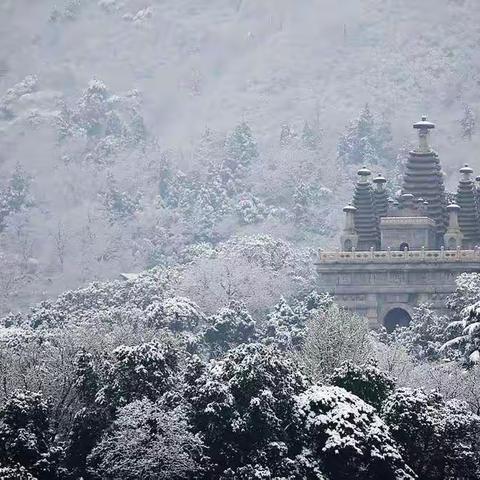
(168, 170)
(134, 130)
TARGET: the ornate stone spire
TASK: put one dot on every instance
(424, 179)
(349, 237)
(380, 196)
(366, 224)
(468, 218)
(453, 236)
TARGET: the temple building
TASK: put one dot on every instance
(397, 253)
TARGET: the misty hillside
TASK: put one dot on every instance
(132, 130)
(173, 175)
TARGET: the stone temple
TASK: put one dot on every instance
(398, 253)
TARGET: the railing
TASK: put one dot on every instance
(392, 256)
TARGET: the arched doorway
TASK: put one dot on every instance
(404, 247)
(396, 317)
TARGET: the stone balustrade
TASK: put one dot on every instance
(391, 256)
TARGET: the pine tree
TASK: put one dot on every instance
(287, 135)
(16, 194)
(366, 141)
(310, 137)
(119, 204)
(26, 437)
(240, 148)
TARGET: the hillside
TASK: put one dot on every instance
(169, 82)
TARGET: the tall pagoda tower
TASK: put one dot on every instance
(366, 221)
(423, 178)
(468, 217)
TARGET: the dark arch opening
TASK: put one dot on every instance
(348, 246)
(396, 317)
(452, 244)
(404, 246)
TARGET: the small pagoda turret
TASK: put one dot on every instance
(380, 196)
(365, 217)
(468, 218)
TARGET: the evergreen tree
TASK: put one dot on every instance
(287, 135)
(310, 137)
(366, 381)
(26, 437)
(366, 141)
(348, 436)
(439, 438)
(120, 205)
(467, 122)
(229, 328)
(141, 371)
(15, 195)
(240, 149)
(243, 405)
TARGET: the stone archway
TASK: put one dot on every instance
(396, 317)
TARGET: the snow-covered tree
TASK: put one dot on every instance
(146, 441)
(463, 332)
(367, 382)
(142, 371)
(243, 405)
(333, 336)
(240, 149)
(311, 137)
(120, 205)
(15, 195)
(348, 436)
(178, 314)
(467, 122)
(425, 335)
(439, 439)
(26, 436)
(284, 326)
(228, 328)
(366, 141)
(250, 209)
(287, 135)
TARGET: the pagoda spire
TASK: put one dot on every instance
(424, 178)
(366, 223)
(468, 217)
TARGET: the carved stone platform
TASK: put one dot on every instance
(375, 283)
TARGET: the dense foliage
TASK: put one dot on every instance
(123, 380)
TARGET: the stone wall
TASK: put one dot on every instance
(373, 283)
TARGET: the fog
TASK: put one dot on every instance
(170, 71)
